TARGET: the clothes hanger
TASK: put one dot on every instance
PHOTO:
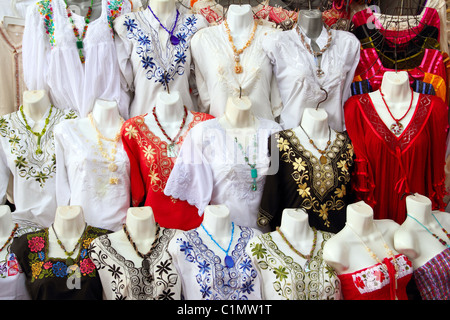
(13, 20)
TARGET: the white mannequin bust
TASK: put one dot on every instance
(238, 119)
(6, 227)
(311, 23)
(315, 123)
(412, 239)
(345, 251)
(69, 226)
(216, 220)
(141, 226)
(240, 21)
(163, 9)
(35, 105)
(397, 94)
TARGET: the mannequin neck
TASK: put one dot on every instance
(107, 118)
(295, 225)
(169, 107)
(311, 23)
(69, 222)
(216, 219)
(395, 87)
(240, 18)
(420, 208)
(140, 223)
(360, 218)
(36, 104)
(163, 9)
(238, 114)
(315, 123)
(6, 222)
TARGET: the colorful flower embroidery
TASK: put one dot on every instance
(36, 244)
(114, 10)
(46, 11)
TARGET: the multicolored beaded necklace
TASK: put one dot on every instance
(323, 158)
(253, 170)
(39, 135)
(172, 151)
(16, 226)
(75, 29)
(145, 262)
(443, 242)
(173, 39)
(69, 260)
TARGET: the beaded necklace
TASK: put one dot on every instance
(69, 260)
(39, 135)
(145, 262)
(172, 151)
(238, 68)
(306, 257)
(229, 262)
(173, 39)
(316, 54)
(112, 167)
(16, 226)
(443, 242)
(397, 127)
(253, 170)
(76, 32)
(323, 158)
(375, 257)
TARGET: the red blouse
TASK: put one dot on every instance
(150, 168)
(386, 166)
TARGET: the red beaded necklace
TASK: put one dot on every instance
(171, 149)
(397, 127)
(16, 226)
(75, 29)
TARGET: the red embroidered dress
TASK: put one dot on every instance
(387, 166)
(150, 168)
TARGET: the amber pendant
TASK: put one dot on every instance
(323, 159)
(238, 68)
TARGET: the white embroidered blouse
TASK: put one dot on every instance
(146, 66)
(51, 59)
(216, 80)
(211, 169)
(295, 71)
(83, 177)
(33, 174)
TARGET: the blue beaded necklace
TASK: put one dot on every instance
(433, 234)
(229, 262)
(173, 39)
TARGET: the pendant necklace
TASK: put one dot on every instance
(172, 151)
(69, 260)
(229, 262)
(39, 135)
(397, 127)
(16, 226)
(443, 242)
(145, 262)
(112, 167)
(173, 39)
(323, 158)
(253, 170)
(238, 68)
(77, 33)
(316, 54)
(306, 257)
(375, 257)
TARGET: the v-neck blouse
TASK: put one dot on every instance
(387, 166)
(51, 59)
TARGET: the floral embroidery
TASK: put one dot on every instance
(157, 67)
(216, 281)
(114, 10)
(9, 267)
(46, 11)
(43, 266)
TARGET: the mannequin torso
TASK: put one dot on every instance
(295, 227)
(240, 21)
(216, 220)
(162, 9)
(315, 126)
(35, 105)
(412, 239)
(397, 94)
(346, 251)
(311, 23)
(68, 227)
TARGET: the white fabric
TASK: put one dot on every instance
(83, 177)
(216, 80)
(34, 175)
(295, 70)
(12, 278)
(143, 62)
(58, 69)
(210, 169)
